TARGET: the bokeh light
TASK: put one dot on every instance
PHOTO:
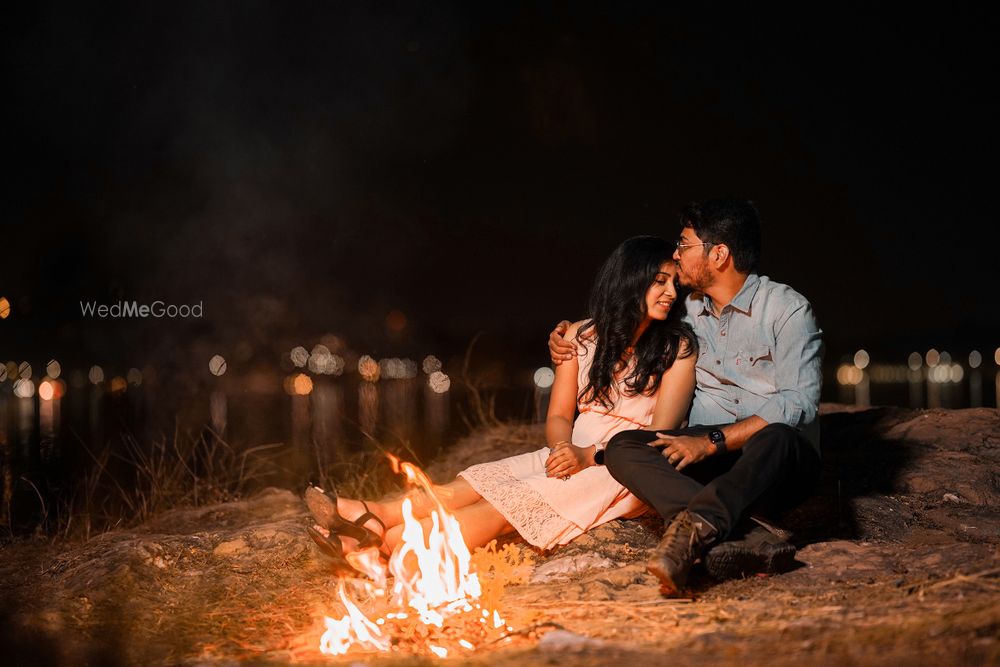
(945, 359)
(996, 357)
(24, 388)
(24, 371)
(861, 359)
(53, 369)
(395, 321)
(957, 373)
(975, 359)
(848, 374)
(134, 377)
(932, 358)
(431, 364)
(4, 308)
(544, 377)
(439, 382)
(319, 359)
(46, 390)
(118, 384)
(96, 375)
(298, 384)
(323, 362)
(336, 365)
(3, 373)
(915, 361)
(299, 356)
(943, 374)
(368, 368)
(217, 365)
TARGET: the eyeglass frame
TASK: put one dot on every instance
(684, 246)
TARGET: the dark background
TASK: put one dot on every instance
(306, 168)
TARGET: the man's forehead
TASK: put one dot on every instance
(689, 232)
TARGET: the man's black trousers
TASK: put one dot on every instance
(775, 470)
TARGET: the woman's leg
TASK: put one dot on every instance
(453, 495)
(480, 523)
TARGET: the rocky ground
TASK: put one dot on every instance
(899, 553)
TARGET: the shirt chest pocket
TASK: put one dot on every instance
(754, 370)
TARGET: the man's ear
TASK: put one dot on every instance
(721, 251)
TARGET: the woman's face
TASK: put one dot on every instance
(661, 294)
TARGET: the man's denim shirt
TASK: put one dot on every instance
(762, 356)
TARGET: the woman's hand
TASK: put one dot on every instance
(566, 459)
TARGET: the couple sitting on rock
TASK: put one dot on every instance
(737, 361)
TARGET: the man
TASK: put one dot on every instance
(752, 443)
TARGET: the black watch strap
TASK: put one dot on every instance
(718, 439)
(599, 456)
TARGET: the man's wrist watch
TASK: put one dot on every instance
(598, 455)
(718, 440)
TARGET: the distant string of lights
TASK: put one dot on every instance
(934, 366)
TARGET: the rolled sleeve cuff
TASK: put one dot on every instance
(780, 410)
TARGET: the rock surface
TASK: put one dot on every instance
(899, 553)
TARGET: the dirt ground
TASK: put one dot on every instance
(899, 554)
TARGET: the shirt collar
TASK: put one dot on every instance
(743, 299)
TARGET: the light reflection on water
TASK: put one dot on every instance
(917, 388)
(53, 442)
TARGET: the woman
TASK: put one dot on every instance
(635, 369)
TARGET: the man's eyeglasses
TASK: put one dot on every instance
(681, 246)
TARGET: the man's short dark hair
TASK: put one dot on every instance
(728, 220)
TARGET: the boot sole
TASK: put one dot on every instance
(668, 586)
(735, 563)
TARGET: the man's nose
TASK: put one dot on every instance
(677, 254)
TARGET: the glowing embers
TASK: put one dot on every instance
(435, 604)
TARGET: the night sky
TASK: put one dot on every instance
(305, 168)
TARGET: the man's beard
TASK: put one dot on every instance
(698, 282)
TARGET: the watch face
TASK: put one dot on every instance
(716, 436)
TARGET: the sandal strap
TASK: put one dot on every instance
(363, 519)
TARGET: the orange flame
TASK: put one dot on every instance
(431, 571)
(353, 630)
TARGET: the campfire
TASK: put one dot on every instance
(437, 604)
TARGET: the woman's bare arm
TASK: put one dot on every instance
(562, 400)
(673, 398)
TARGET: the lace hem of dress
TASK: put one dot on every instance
(520, 504)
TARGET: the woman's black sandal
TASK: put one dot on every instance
(323, 506)
(334, 551)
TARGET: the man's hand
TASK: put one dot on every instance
(561, 349)
(566, 459)
(683, 450)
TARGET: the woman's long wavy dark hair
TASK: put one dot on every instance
(617, 306)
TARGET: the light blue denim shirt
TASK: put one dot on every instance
(761, 356)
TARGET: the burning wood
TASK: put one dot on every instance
(436, 603)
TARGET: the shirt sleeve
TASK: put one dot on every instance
(798, 356)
